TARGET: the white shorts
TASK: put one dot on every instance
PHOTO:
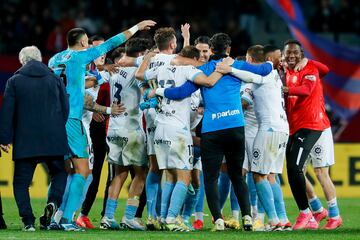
(249, 141)
(127, 147)
(198, 165)
(322, 154)
(173, 148)
(150, 130)
(90, 149)
(268, 152)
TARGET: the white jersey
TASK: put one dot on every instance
(175, 113)
(269, 104)
(251, 124)
(124, 88)
(195, 117)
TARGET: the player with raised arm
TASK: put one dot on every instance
(269, 145)
(71, 66)
(223, 122)
(126, 141)
(173, 141)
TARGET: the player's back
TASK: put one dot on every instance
(269, 104)
(221, 102)
(176, 113)
(124, 89)
(251, 123)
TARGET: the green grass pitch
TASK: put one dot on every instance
(350, 211)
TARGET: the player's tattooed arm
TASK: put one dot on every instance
(92, 106)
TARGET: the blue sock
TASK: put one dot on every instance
(131, 208)
(189, 204)
(75, 192)
(224, 188)
(177, 199)
(234, 204)
(165, 198)
(315, 204)
(66, 193)
(86, 188)
(199, 207)
(279, 202)
(158, 201)
(267, 198)
(252, 189)
(333, 208)
(151, 188)
(110, 208)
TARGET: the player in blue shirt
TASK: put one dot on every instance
(223, 128)
(70, 65)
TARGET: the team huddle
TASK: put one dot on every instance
(194, 122)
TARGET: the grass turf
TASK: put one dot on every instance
(350, 211)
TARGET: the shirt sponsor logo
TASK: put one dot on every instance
(227, 113)
(310, 77)
(162, 141)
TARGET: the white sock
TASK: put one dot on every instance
(235, 214)
(307, 210)
(199, 216)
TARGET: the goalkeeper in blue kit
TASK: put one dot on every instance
(70, 65)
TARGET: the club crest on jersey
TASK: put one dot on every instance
(310, 77)
(294, 79)
(318, 150)
(256, 153)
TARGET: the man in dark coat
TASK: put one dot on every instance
(33, 117)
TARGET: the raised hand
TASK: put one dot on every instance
(146, 24)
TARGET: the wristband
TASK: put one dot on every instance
(160, 91)
(134, 29)
(108, 110)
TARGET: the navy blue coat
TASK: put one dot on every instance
(34, 113)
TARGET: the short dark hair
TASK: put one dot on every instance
(163, 36)
(95, 38)
(219, 42)
(293, 41)
(136, 45)
(202, 39)
(118, 52)
(269, 49)
(257, 53)
(190, 52)
(74, 35)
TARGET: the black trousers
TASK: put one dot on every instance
(297, 151)
(1, 208)
(100, 148)
(214, 146)
(23, 175)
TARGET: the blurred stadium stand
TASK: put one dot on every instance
(248, 22)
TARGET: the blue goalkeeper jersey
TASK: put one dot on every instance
(70, 65)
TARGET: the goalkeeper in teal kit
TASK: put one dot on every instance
(70, 65)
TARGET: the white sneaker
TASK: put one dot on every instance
(219, 225)
(29, 228)
(133, 224)
(109, 223)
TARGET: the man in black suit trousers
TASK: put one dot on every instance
(33, 116)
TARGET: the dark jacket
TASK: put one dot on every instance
(34, 113)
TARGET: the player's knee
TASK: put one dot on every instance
(258, 177)
(321, 173)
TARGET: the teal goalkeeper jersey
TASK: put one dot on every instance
(70, 65)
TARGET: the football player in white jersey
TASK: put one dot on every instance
(269, 146)
(173, 140)
(165, 40)
(126, 141)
